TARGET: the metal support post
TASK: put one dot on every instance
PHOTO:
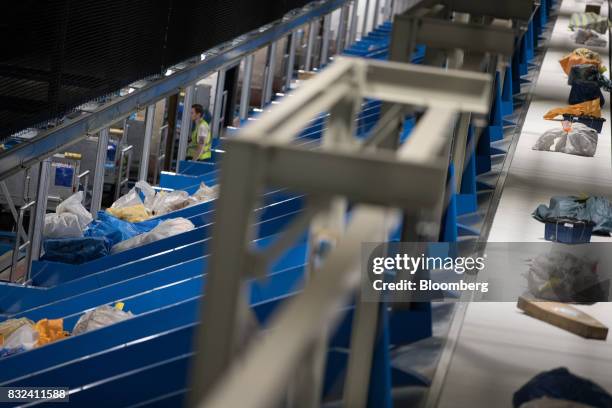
(342, 29)
(217, 339)
(270, 70)
(366, 15)
(310, 45)
(185, 127)
(98, 181)
(376, 14)
(290, 61)
(146, 144)
(459, 147)
(325, 40)
(41, 209)
(219, 104)
(245, 95)
(328, 226)
(352, 34)
(387, 10)
(363, 337)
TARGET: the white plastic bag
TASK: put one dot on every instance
(165, 229)
(25, 337)
(69, 220)
(62, 226)
(167, 202)
(205, 193)
(129, 200)
(100, 317)
(72, 205)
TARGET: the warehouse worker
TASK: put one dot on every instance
(201, 137)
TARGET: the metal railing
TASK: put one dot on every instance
(343, 170)
(123, 176)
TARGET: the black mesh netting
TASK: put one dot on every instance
(58, 54)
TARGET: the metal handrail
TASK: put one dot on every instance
(161, 156)
(126, 152)
(85, 175)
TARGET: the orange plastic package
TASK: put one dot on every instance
(588, 108)
(50, 331)
(572, 59)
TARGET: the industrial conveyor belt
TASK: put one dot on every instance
(498, 348)
(161, 283)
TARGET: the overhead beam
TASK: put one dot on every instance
(445, 34)
(514, 9)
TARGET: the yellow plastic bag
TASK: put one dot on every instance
(134, 213)
(588, 108)
(50, 331)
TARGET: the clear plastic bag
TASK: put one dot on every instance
(148, 192)
(7, 327)
(581, 140)
(589, 38)
(100, 317)
(62, 226)
(205, 193)
(564, 277)
(129, 200)
(165, 229)
(72, 205)
(24, 338)
(164, 202)
(69, 220)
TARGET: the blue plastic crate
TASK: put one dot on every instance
(568, 232)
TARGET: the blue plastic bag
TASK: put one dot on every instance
(115, 230)
(98, 239)
(563, 385)
(75, 250)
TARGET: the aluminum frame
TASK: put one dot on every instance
(245, 94)
(325, 38)
(185, 126)
(98, 181)
(263, 156)
(290, 68)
